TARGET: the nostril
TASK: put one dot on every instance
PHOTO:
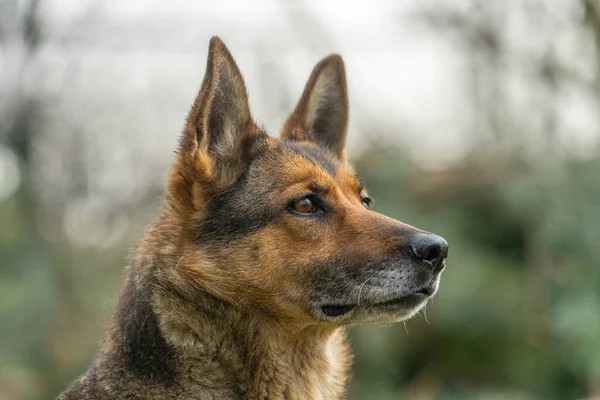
(433, 254)
(430, 254)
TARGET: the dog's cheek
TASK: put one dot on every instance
(271, 283)
(286, 265)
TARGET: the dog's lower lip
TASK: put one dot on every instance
(410, 298)
(427, 291)
(335, 310)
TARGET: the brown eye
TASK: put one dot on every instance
(304, 206)
(366, 201)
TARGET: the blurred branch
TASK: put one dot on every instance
(592, 20)
(32, 32)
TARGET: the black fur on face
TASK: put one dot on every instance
(242, 208)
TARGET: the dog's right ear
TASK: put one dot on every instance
(211, 147)
(321, 115)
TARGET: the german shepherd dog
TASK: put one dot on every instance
(263, 253)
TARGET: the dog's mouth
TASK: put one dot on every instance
(336, 311)
(409, 301)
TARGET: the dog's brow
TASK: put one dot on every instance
(356, 184)
(318, 188)
(316, 156)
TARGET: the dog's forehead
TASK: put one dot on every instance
(305, 161)
(321, 158)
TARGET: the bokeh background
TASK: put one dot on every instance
(476, 119)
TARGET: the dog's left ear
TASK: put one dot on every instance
(215, 137)
(321, 115)
(219, 120)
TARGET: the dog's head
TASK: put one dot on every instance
(282, 225)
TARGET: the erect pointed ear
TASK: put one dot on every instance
(321, 115)
(219, 121)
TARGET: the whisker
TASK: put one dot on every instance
(361, 288)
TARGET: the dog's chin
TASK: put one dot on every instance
(385, 310)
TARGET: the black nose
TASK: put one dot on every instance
(430, 248)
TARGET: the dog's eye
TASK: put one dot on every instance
(366, 201)
(306, 206)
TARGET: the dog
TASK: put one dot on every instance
(263, 253)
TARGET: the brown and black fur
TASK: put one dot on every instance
(231, 294)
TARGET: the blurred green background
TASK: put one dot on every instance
(477, 120)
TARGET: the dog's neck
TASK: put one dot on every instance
(248, 352)
(267, 359)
